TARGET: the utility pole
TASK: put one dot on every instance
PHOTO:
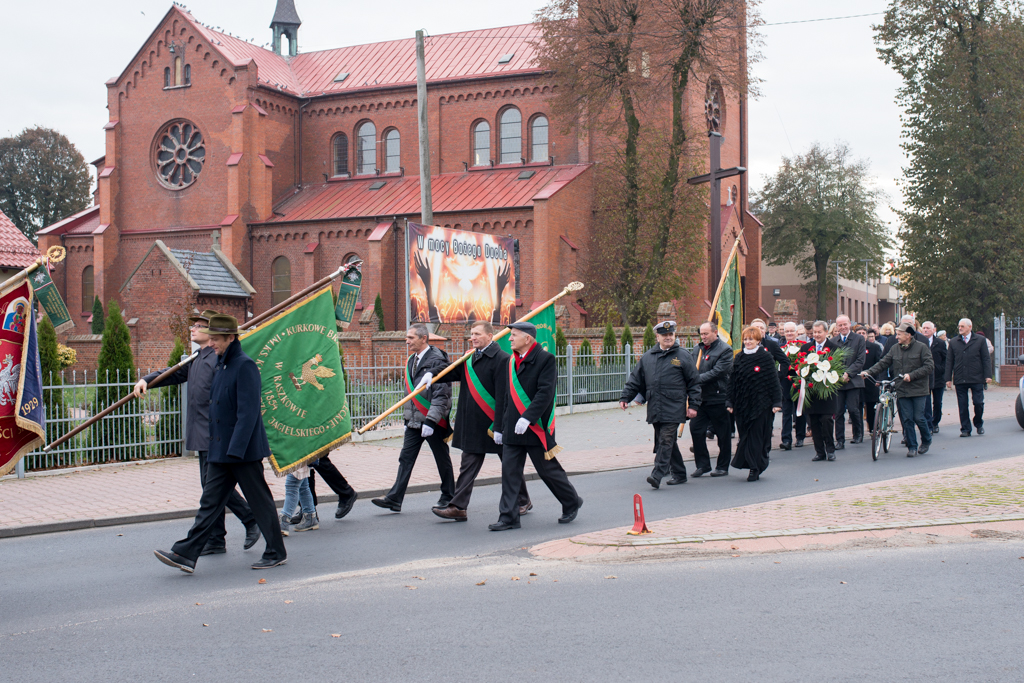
(867, 304)
(426, 201)
(837, 286)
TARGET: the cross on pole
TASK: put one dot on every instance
(715, 178)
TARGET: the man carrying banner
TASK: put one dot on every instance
(238, 445)
(482, 396)
(527, 426)
(426, 419)
(199, 375)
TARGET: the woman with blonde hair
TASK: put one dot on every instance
(754, 396)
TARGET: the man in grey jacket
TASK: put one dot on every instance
(426, 419)
(199, 375)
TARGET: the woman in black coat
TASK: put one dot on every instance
(755, 395)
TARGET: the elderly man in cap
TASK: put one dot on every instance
(666, 379)
(199, 375)
(238, 445)
(527, 426)
(910, 361)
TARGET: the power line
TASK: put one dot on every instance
(809, 21)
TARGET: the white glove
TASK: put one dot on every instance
(425, 379)
(497, 438)
(522, 425)
(426, 430)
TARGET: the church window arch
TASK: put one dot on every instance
(481, 143)
(88, 290)
(339, 145)
(392, 151)
(539, 138)
(366, 148)
(281, 280)
(511, 131)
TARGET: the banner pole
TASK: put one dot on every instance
(316, 286)
(571, 287)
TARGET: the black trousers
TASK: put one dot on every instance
(848, 401)
(513, 461)
(220, 482)
(937, 393)
(335, 479)
(407, 459)
(790, 419)
(239, 508)
(870, 397)
(469, 470)
(719, 419)
(821, 431)
(978, 398)
(667, 458)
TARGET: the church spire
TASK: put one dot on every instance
(286, 23)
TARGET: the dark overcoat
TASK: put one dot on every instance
(667, 379)
(854, 346)
(199, 375)
(713, 373)
(538, 375)
(968, 363)
(471, 422)
(819, 406)
(236, 422)
(439, 393)
(939, 352)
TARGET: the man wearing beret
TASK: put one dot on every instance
(527, 426)
(199, 375)
(238, 445)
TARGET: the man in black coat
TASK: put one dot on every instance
(848, 396)
(238, 445)
(968, 367)
(667, 379)
(527, 426)
(872, 354)
(199, 375)
(790, 419)
(481, 398)
(426, 419)
(713, 358)
(820, 411)
(933, 413)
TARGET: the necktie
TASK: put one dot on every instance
(819, 348)
(844, 339)
(415, 364)
(476, 355)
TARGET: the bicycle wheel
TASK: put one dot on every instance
(876, 435)
(887, 429)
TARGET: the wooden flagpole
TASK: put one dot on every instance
(571, 287)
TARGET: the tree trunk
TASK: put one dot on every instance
(821, 273)
(630, 264)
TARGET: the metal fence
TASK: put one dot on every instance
(1008, 341)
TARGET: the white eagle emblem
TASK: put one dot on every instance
(9, 373)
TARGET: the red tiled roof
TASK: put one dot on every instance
(451, 192)
(81, 223)
(16, 251)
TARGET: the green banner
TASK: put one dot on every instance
(545, 323)
(303, 386)
(49, 298)
(729, 312)
(348, 295)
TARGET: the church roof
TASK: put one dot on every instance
(16, 250)
(82, 223)
(208, 273)
(400, 195)
(285, 13)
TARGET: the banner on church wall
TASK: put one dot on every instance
(457, 276)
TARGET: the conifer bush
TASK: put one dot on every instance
(97, 316)
(649, 337)
(116, 366)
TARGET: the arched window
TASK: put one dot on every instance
(178, 68)
(281, 281)
(188, 74)
(392, 151)
(366, 149)
(167, 77)
(88, 293)
(340, 146)
(539, 139)
(511, 136)
(482, 144)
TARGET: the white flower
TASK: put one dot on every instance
(812, 358)
(818, 376)
(804, 370)
(792, 349)
(824, 366)
(833, 377)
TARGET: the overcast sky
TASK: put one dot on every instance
(822, 81)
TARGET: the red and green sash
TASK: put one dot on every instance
(421, 402)
(522, 402)
(480, 394)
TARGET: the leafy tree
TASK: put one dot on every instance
(378, 310)
(962, 65)
(820, 207)
(561, 343)
(627, 338)
(649, 337)
(116, 366)
(43, 178)
(97, 316)
(586, 356)
(167, 427)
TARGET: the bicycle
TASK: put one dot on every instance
(881, 437)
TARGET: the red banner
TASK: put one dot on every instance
(21, 410)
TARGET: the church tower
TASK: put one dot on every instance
(286, 23)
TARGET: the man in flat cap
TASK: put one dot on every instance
(238, 445)
(666, 379)
(199, 375)
(527, 426)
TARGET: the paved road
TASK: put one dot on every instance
(102, 601)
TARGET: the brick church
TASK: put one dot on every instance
(236, 175)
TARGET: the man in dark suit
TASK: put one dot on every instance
(713, 360)
(527, 426)
(872, 354)
(481, 398)
(790, 419)
(968, 367)
(820, 411)
(426, 419)
(238, 445)
(848, 396)
(933, 411)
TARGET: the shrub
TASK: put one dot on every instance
(378, 310)
(609, 346)
(649, 337)
(586, 353)
(561, 343)
(97, 316)
(67, 356)
(168, 427)
(627, 338)
(116, 366)
(49, 361)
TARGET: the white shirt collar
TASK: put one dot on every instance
(967, 337)
(419, 356)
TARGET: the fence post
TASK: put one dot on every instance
(997, 342)
(568, 374)
(628, 350)
(20, 468)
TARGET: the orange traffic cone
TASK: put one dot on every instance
(639, 524)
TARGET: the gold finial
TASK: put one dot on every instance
(56, 254)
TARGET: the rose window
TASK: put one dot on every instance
(180, 155)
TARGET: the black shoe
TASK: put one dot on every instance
(443, 502)
(981, 431)
(677, 480)
(857, 439)
(911, 454)
(799, 443)
(963, 433)
(720, 473)
(700, 471)
(653, 482)
(213, 550)
(252, 534)
(831, 457)
(175, 560)
(267, 564)
(903, 441)
(569, 516)
(503, 526)
(840, 445)
(817, 458)
(387, 504)
(935, 429)
(345, 506)
(924, 448)
(786, 446)
(753, 476)
(710, 435)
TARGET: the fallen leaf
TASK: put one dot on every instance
(842, 582)
(288, 602)
(535, 574)
(482, 582)
(735, 555)
(199, 603)
(267, 630)
(515, 578)
(611, 576)
(815, 480)
(419, 577)
(554, 580)
(778, 563)
(262, 581)
(734, 547)
(412, 588)
(335, 635)
(205, 624)
(120, 534)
